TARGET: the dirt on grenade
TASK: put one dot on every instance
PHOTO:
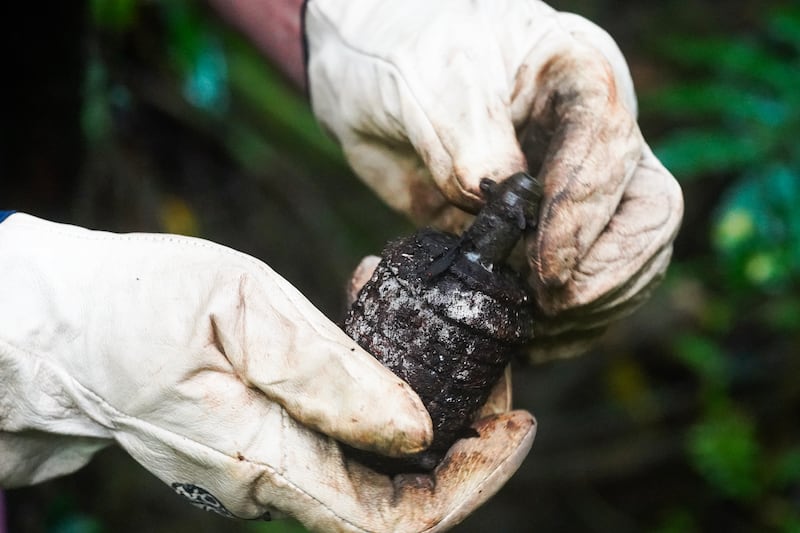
(446, 315)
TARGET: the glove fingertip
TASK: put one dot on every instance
(475, 469)
(379, 412)
(551, 265)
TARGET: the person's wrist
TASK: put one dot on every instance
(275, 28)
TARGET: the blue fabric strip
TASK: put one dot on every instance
(5, 214)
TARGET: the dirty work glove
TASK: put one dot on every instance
(426, 98)
(218, 377)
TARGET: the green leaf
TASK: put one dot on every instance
(782, 314)
(114, 15)
(784, 25)
(279, 109)
(735, 58)
(787, 471)
(677, 521)
(694, 51)
(702, 356)
(757, 229)
(750, 60)
(95, 114)
(736, 227)
(791, 524)
(711, 99)
(205, 84)
(723, 448)
(691, 153)
(198, 54)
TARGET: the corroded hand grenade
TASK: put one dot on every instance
(446, 315)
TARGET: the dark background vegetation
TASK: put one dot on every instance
(144, 116)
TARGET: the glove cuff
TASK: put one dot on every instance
(51, 424)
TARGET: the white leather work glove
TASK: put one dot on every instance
(217, 376)
(426, 98)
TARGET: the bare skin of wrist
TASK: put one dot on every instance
(274, 26)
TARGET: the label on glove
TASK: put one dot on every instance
(200, 497)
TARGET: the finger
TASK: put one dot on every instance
(592, 148)
(632, 251)
(282, 345)
(610, 308)
(354, 498)
(568, 344)
(629, 296)
(500, 398)
(361, 275)
(472, 471)
(447, 117)
(470, 135)
(230, 449)
(576, 331)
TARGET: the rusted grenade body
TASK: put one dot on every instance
(446, 315)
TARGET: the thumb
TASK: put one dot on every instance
(280, 344)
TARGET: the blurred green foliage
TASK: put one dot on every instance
(215, 64)
(113, 15)
(740, 112)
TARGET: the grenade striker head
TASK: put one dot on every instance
(511, 207)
